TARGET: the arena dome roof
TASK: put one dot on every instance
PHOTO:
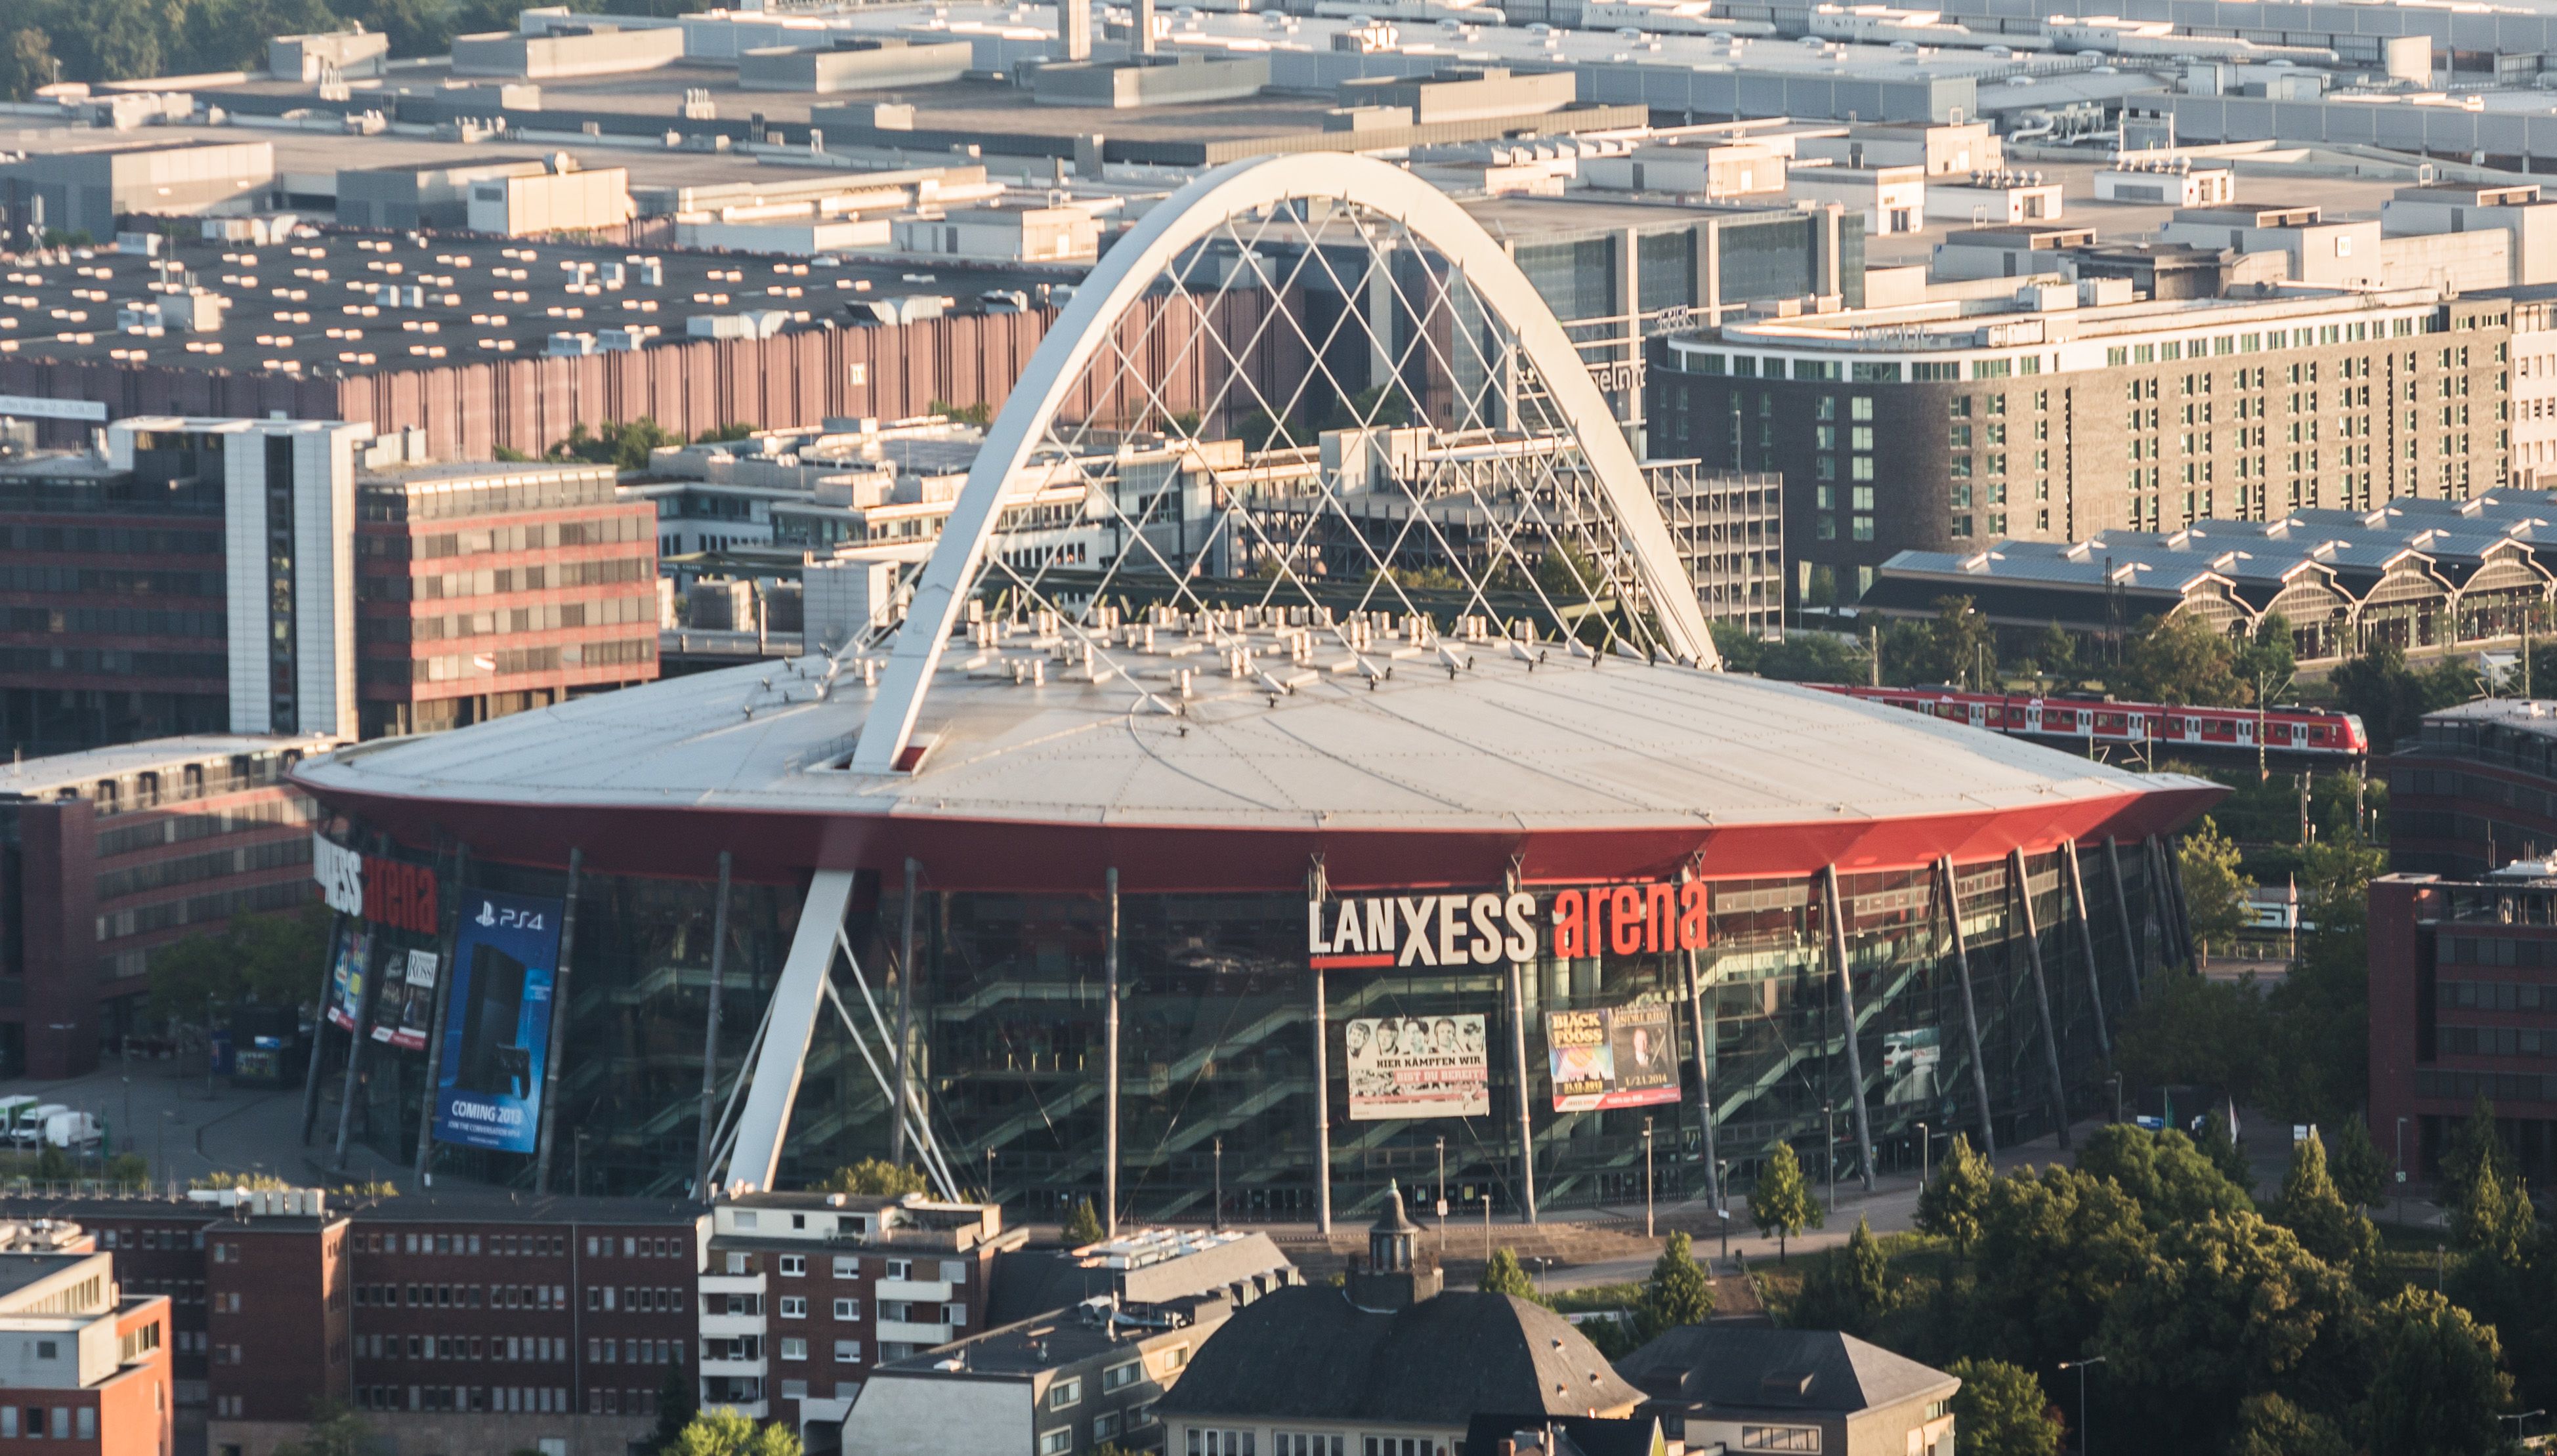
(1410, 761)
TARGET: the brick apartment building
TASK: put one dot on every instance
(478, 1322)
(89, 1364)
(2463, 1005)
(804, 1293)
(108, 855)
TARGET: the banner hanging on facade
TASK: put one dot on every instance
(1417, 1067)
(346, 975)
(497, 1022)
(1611, 1057)
(407, 1006)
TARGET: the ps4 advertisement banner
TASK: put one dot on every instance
(497, 1025)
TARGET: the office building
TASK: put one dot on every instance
(2072, 415)
(2462, 994)
(487, 589)
(114, 854)
(2475, 790)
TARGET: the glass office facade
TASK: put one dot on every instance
(1216, 1041)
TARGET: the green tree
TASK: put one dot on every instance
(675, 1409)
(2220, 1144)
(2226, 1307)
(2316, 1048)
(2360, 1173)
(727, 1432)
(1963, 649)
(2054, 656)
(2475, 1147)
(2267, 662)
(335, 1431)
(2392, 698)
(879, 1177)
(1083, 1226)
(1676, 1293)
(2495, 1216)
(2268, 1425)
(2439, 1381)
(2057, 1246)
(2169, 1175)
(1781, 1203)
(1850, 1288)
(2317, 1214)
(2192, 1031)
(1949, 1207)
(29, 59)
(2001, 1410)
(275, 959)
(2215, 891)
(2182, 659)
(1503, 1276)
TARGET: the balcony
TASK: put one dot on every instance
(728, 1326)
(714, 1368)
(916, 1291)
(903, 1333)
(732, 1284)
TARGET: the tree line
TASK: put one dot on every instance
(130, 40)
(2223, 1325)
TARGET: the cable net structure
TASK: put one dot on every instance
(1305, 394)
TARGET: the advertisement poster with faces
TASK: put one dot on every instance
(346, 975)
(1611, 1057)
(1417, 1067)
(407, 1005)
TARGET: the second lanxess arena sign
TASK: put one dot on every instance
(1425, 1066)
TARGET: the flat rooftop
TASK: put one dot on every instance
(40, 777)
(308, 307)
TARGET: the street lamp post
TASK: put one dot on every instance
(989, 1175)
(2400, 1199)
(1647, 1178)
(1723, 1209)
(1441, 1205)
(1218, 1143)
(2079, 1366)
(1926, 1166)
(2518, 1420)
(127, 1124)
(2117, 1080)
(1828, 1148)
(1487, 1223)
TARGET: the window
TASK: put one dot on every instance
(793, 1265)
(1064, 1393)
(1119, 1376)
(848, 1309)
(1303, 1443)
(1167, 1361)
(1105, 1425)
(793, 1307)
(846, 1267)
(898, 1268)
(1056, 1442)
(1396, 1446)
(1779, 1438)
(1219, 1443)
(953, 1313)
(1860, 407)
(792, 1348)
(790, 1391)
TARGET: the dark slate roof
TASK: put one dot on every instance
(1034, 1281)
(1308, 1354)
(1734, 1366)
(1572, 1435)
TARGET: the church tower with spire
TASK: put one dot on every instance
(1397, 1274)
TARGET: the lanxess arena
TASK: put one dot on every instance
(1265, 819)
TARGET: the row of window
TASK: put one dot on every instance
(2496, 1041)
(500, 582)
(509, 1245)
(531, 1400)
(467, 1297)
(514, 1349)
(1106, 1427)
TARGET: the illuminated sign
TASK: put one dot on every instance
(1485, 928)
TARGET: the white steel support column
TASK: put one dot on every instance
(796, 999)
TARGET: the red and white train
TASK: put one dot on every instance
(2309, 731)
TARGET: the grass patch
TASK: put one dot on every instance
(1594, 1298)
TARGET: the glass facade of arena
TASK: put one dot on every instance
(1216, 1041)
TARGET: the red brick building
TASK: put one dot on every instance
(487, 588)
(2463, 1005)
(109, 854)
(86, 1365)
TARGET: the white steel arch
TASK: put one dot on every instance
(1123, 276)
